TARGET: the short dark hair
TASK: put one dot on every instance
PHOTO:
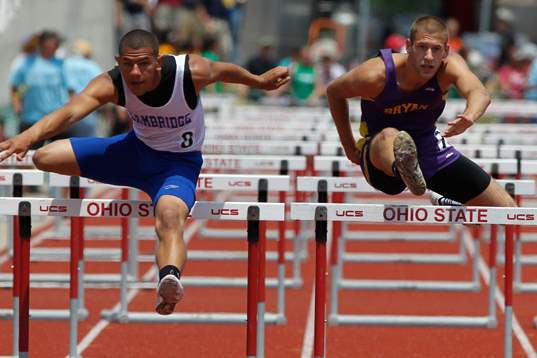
(137, 39)
(47, 35)
(430, 25)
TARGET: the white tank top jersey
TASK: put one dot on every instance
(173, 127)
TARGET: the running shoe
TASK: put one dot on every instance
(437, 199)
(169, 292)
(406, 161)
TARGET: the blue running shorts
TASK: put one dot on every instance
(125, 160)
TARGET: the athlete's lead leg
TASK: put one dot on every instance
(170, 213)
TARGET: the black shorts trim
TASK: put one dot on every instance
(377, 178)
(462, 180)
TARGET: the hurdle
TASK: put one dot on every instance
(283, 165)
(322, 213)
(227, 182)
(14, 179)
(284, 135)
(17, 177)
(33, 177)
(255, 214)
(503, 159)
(256, 315)
(260, 147)
(498, 150)
(341, 164)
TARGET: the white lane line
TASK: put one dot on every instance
(102, 324)
(309, 332)
(307, 341)
(500, 300)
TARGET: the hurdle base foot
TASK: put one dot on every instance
(115, 316)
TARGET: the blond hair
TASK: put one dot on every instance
(429, 25)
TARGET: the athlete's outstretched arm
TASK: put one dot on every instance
(204, 72)
(471, 88)
(98, 92)
(366, 80)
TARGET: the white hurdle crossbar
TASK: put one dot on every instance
(228, 182)
(12, 178)
(209, 182)
(501, 166)
(25, 208)
(360, 185)
(261, 164)
(323, 213)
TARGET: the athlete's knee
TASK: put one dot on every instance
(493, 195)
(383, 140)
(42, 158)
(387, 134)
(169, 217)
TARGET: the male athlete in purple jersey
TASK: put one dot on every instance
(402, 96)
(162, 155)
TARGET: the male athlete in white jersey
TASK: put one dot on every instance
(162, 155)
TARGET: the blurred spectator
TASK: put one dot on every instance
(302, 85)
(29, 47)
(260, 63)
(38, 85)
(503, 26)
(215, 24)
(396, 42)
(263, 60)
(510, 80)
(188, 32)
(477, 64)
(292, 60)
(9, 118)
(326, 35)
(210, 51)
(132, 14)
(455, 43)
(326, 71)
(167, 14)
(235, 10)
(79, 70)
(531, 86)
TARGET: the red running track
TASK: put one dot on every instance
(294, 339)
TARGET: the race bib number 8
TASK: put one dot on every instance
(187, 139)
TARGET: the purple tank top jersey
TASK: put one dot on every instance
(415, 112)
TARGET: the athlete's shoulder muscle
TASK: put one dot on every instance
(455, 71)
(200, 69)
(102, 89)
(365, 80)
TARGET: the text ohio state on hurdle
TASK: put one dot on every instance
(440, 214)
(104, 209)
(125, 209)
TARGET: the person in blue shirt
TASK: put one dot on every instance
(79, 70)
(38, 85)
(531, 85)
